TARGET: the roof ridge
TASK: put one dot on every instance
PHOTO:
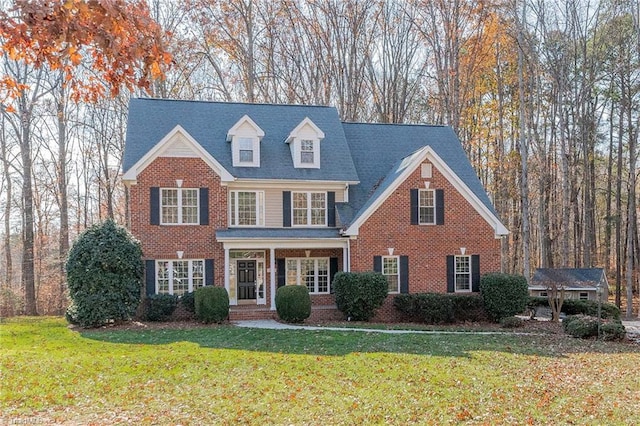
(396, 124)
(230, 102)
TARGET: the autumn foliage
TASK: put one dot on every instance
(116, 40)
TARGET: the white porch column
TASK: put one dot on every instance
(272, 276)
(346, 262)
(226, 276)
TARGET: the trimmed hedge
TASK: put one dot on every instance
(359, 294)
(511, 322)
(504, 295)
(160, 307)
(212, 304)
(104, 275)
(293, 303)
(585, 327)
(438, 308)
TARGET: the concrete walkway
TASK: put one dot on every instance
(632, 327)
(275, 325)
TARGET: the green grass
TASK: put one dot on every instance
(228, 375)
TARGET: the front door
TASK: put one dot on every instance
(246, 280)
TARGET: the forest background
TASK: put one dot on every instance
(544, 95)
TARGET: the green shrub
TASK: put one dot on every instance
(511, 322)
(212, 304)
(104, 275)
(293, 303)
(581, 326)
(467, 307)
(359, 294)
(189, 302)
(160, 307)
(590, 307)
(436, 308)
(71, 314)
(612, 330)
(504, 295)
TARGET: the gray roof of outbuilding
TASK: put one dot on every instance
(574, 276)
(150, 120)
(378, 150)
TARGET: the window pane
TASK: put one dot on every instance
(323, 275)
(318, 208)
(299, 200)
(306, 151)
(246, 156)
(246, 208)
(426, 207)
(197, 274)
(162, 276)
(189, 206)
(390, 271)
(463, 273)
(292, 272)
(307, 273)
(169, 201)
(180, 277)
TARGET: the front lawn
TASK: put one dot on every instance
(228, 375)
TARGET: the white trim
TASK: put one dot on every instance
(295, 139)
(236, 134)
(233, 131)
(131, 175)
(272, 276)
(308, 209)
(455, 273)
(180, 206)
(408, 166)
(170, 282)
(434, 206)
(299, 278)
(307, 121)
(260, 206)
(275, 243)
(397, 259)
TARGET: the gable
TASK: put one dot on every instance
(176, 143)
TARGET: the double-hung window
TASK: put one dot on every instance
(463, 273)
(312, 272)
(309, 208)
(245, 150)
(426, 207)
(246, 208)
(391, 271)
(306, 151)
(179, 276)
(179, 206)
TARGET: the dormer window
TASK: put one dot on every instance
(245, 138)
(304, 142)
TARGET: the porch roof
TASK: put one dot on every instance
(277, 233)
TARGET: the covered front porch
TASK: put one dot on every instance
(257, 263)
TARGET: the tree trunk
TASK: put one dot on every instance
(28, 275)
(8, 272)
(63, 246)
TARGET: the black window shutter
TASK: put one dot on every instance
(286, 209)
(414, 206)
(282, 272)
(150, 277)
(204, 206)
(439, 206)
(331, 209)
(451, 278)
(208, 272)
(404, 274)
(377, 263)
(333, 269)
(475, 272)
(154, 205)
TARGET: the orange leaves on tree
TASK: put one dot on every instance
(116, 39)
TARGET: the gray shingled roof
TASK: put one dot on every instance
(378, 149)
(574, 277)
(150, 120)
(350, 152)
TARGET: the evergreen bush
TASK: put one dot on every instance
(437, 308)
(504, 295)
(590, 307)
(212, 304)
(104, 275)
(359, 294)
(189, 302)
(293, 303)
(511, 322)
(160, 307)
(585, 326)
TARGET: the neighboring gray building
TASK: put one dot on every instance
(578, 283)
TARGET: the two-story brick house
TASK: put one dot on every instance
(252, 197)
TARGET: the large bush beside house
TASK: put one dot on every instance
(188, 300)
(160, 307)
(504, 295)
(359, 294)
(104, 275)
(293, 303)
(212, 304)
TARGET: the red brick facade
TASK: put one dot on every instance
(426, 246)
